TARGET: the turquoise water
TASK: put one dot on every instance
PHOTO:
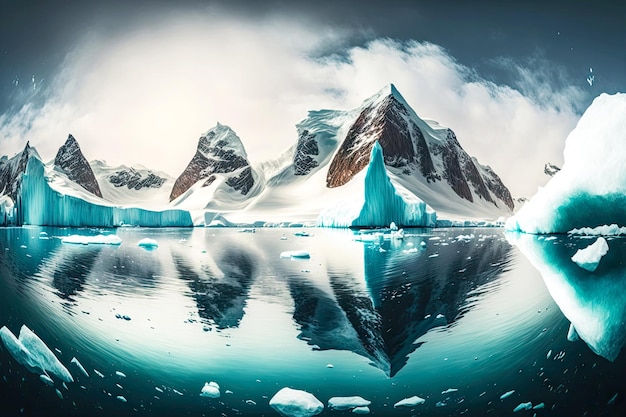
(460, 309)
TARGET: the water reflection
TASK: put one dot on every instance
(594, 302)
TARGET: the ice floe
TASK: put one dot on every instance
(148, 243)
(210, 390)
(298, 254)
(346, 403)
(589, 257)
(92, 240)
(604, 230)
(410, 402)
(296, 403)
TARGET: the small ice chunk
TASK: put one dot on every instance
(298, 254)
(507, 394)
(440, 316)
(210, 390)
(330, 365)
(361, 410)
(148, 243)
(159, 389)
(523, 406)
(549, 354)
(434, 255)
(449, 390)
(410, 402)
(120, 374)
(46, 380)
(393, 226)
(296, 403)
(177, 391)
(612, 400)
(589, 257)
(96, 240)
(539, 406)
(346, 403)
(121, 398)
(302, 234)
(59, 394)
(572, 334)
(100, 374)
(79, 366)
(250, 402)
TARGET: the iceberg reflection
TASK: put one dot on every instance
(594, 302)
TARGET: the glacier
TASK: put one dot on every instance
(380, 204)
(590, 189)
(594, 302)
(48, 200)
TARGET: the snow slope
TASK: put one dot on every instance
(590, 189)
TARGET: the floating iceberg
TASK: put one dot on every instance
(346, 403)
(96, 240)
(410, 402)
(589, 257)
(80, 366)
(210, 390)
(296, 403)
(299, 254)
(29, 350)
(148, 243)
(361, 410)
(590, 189)
(380, 204)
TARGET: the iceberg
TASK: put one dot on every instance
(148, 243)
(410, 402)
(296, 403)
(79, 366)
(590, 189)
(589, 257)
(299, 254)
(346, 403)
(381, 203)
(594, 303)
(29, 350)
(210, 390)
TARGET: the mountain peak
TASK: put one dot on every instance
(71, 160)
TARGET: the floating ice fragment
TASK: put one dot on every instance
(298, 254)
(120, 374)
(523, 406)
(361, 410)
(410, 402)
(572, 334)
(539, 406)
(330, 365)
(46, 380)
(449, 390)
(228, 391)
(302, 234)
(589, 257)
(507, 394)
(121, 398)
(604, 230)
(440, 316)
(29, 350)
(159, 389)
(79, 366)
(296, 403)
(434, 255)
(59, 394)
(612, 400)
(177, 391)
(96, 240)
(250, 402)
(393, 226)
(440, 404)
(210, 390)
(549, 354)
(148, 243)
(591, 79)
(346, 403)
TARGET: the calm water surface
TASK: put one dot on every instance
(456, 316)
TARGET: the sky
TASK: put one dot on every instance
(138, 82)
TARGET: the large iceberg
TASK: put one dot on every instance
(48, 200)
(380, 204)
(29, 350)
(590, 189)
(296, 403)
(594, 302)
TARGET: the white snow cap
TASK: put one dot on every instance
(590, 189)
(296, 403)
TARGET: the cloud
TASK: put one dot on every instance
(144, 96)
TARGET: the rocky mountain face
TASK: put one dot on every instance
(219, 151)
(134, 180)
(71, 160)
(413, 147)
(550, 169)
(11, 171)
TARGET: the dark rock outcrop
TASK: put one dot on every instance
(11, 171)
(550, 169)
(303, 161)
(133, 179)
(72, 162)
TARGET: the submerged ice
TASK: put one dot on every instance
(590, 189)
(381, 203)
(29, 350)
(296, 403)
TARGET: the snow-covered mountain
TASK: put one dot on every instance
(11, 171)
(550, 169)
(136, 185)
(72, 162)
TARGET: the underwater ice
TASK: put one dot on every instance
(148, 243)
(210, 390)
(589, 257)
(96, 240)
(80, 366)
(346, 403)
(523, 406)
(590, 189)
(410, 402)
(381, 204)
(296, 403)
(507, 394)
(29, 350)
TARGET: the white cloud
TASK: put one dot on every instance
(146, 96)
